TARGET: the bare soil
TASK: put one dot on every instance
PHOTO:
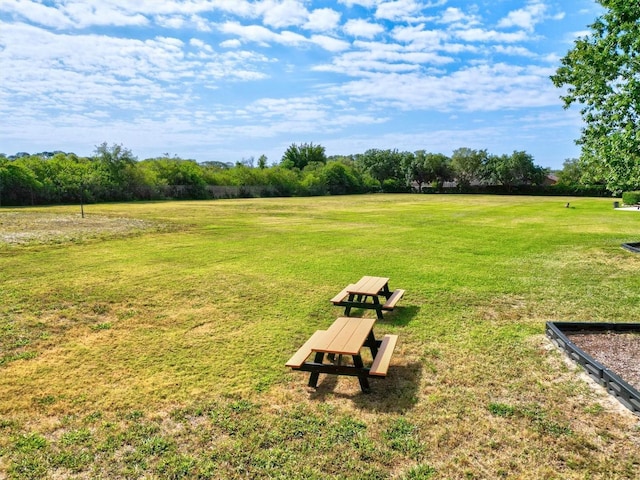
(22, 228)
(619, 352)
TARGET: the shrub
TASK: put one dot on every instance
(631, 198)
(391, 185)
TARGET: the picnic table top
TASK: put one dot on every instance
(345, 336)
(368, 285)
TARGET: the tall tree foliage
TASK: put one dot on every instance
(384, 165)
(15, 180)
(467, 165)
(602, 74)
(118, 163)
(299, 156)
(432, 168)
(511, 170)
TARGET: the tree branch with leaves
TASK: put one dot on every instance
(601, 73)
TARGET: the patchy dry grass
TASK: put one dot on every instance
(159, 352)
(33, 228)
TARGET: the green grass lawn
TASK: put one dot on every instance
(158, 351)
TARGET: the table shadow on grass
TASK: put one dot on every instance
(397, 393)
(400, 316)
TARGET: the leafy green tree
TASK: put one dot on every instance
(16, 182)
(417, 170)
(186, 177)
(601, 73)
(385, 165)
(176, 171)
(45, 192)
(299, 156)
(149, 185)
(467, 165)
(511, 170)
(77, 180)
(283, 180)
(118, 163)
(244, 176)
(433, 168)
(440, 168)
(341, 179)
(215, 165)
(262, 162)
(312, 183)
(571, 173)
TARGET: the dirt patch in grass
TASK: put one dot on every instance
(28, 228)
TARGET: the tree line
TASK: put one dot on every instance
(113, 173)
(601, 74)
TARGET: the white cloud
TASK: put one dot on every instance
(283, 13)
(481, 35)
(362, 3)
(237, 7)
(457, 16)
(102, 14)
(526, 17)
(174, 22)
(37, 13)
(84, 73)
(167, 69)
(419, 36)
(200, 23)
(196, 42)
(476, 88)
(261, 35)
(177, 22)
(323, 20)
(572, 36)
(362, 28)
(382, 57)
(398, 10)
(514, 51)
(330, 43)
(233, 43)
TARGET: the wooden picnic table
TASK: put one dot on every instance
(346, 336)
(366, 293)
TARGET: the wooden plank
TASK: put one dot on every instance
(339, 341)
(393, 299)
(305, 350)
(346, 336)
(383, 358)
(342, 295)
(336, 327)
(358, 335)
(369, 285)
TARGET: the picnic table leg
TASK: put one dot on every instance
(347, 309)
(372, 343)
(362, 378)
(378, 307)
(313, 378)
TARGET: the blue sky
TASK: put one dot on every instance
(228, 80)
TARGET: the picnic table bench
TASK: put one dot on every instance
(366, 293)
(346, 336)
